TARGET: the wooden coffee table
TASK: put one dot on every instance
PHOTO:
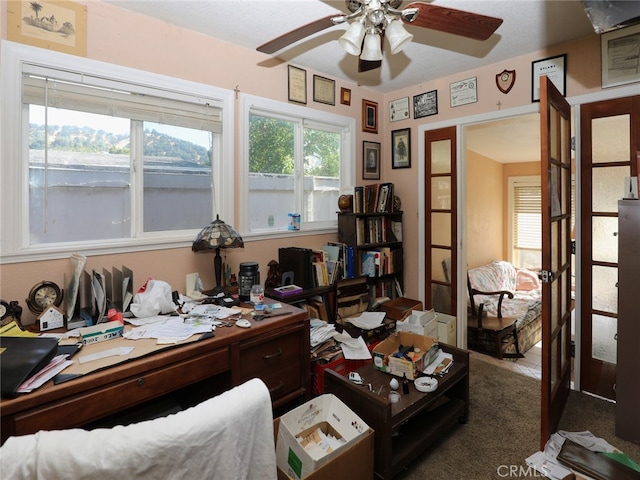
(403, 430)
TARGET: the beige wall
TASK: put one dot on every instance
(121, 37)
(485, 206)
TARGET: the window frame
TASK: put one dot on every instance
(14, 175)
(305, 116)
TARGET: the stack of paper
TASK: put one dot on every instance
(367, 320)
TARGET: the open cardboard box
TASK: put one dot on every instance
(355, 461)
(384, 360)
(330, 414)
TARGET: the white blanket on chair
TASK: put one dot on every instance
(226, 437)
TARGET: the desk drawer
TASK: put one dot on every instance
(282, 381)
(92, 405)
(258, 360)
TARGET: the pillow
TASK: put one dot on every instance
(527, 280)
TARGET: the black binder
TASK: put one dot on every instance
(297, 260)
(21, 358)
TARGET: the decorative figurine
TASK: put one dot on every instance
(274, 277)
(345, 203)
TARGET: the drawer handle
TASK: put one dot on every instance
(275, 389)
(140, 382)
(273, 355)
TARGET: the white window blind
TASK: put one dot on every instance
(95, 95)
(527, 217)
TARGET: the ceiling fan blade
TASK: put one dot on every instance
(299, 33)
(458, 22)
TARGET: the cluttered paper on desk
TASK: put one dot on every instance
(367, 320)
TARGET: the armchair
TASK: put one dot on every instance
(498, 328)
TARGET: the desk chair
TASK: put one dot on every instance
(497, 329)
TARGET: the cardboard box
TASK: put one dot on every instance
(420, 322)
(326, 412)
(355, 461)
(401, 307)
(385, 361)
(101, 332)
(446, 328)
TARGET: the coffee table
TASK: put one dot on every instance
(403, 430)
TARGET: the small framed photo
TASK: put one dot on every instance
(555, 68)
(370, 160)
(399, 109)
(425, 104)
(345, 96)
(619, 63)
(369, 116)
(324, 90)
(401, 148)
(297, 85)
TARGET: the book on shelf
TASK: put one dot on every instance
(340, 271)
(286, 290)
(385, 198)
(371, 263)
(321, 274)
(350, 264)
(396, 229)
(358, 194)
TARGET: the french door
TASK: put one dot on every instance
(441, 279)
(610, 142)
(555, 139)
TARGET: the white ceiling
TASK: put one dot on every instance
(529, 25)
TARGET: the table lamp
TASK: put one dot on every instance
(215, 236)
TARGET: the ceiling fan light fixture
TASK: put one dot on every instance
(371, 50)
(351, 40)
(409, 14)
(398, 36)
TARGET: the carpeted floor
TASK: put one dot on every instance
(504, 429)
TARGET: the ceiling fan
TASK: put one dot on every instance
(372, 20)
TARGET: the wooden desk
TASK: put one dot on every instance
(275, 350)
(405, 429)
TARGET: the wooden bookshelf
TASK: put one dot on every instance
(376, 240)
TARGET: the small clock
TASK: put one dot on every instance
(43, 295)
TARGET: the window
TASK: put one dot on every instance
(525, 222)
(111, 157)
(296, 161)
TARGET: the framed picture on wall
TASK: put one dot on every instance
(555, 68)
(297, 85)
(425, 104)
(324, 90)
(401, 148)
(369, 116)
(619, 64)
(53, 25)
(370, 160)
